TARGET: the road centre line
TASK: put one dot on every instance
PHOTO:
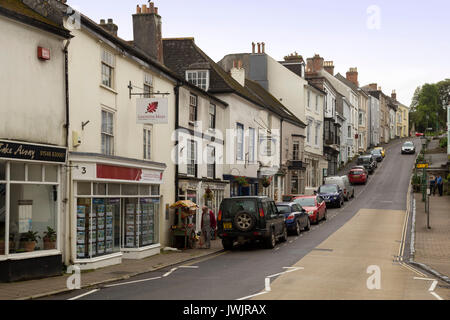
(84, 295)
(131, 282)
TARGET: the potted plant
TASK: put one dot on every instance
(209, 194)
(242, 181)
(29, 240)
(49, 239)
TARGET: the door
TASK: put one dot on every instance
(278, 219)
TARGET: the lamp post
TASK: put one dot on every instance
(423, 141)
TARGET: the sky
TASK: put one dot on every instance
(397, 44)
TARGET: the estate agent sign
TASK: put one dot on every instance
(152, 111)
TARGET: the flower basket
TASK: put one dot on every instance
(209, 195)
(266, 182)
(242, 181)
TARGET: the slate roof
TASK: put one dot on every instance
(347, 82)
(15, 9)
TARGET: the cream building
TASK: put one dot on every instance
(402, 118)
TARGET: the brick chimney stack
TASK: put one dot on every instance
(110, 26)
(394, 95)
(147, 31)
(329, 67)
(373, 86)
(352, 76)
(314, 64)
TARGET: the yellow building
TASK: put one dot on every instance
(402, 118)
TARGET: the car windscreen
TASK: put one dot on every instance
(305, 202)
(232, 206)
(284, 209)
(364, 160)
(408, 144)
(328, 189)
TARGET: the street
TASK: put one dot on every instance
(328, 262)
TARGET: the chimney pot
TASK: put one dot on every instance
(110, 20)
(263, 47)
(138, 9)
(259, 47)
(253, 47)
(152, 7)
(102, 21)
(155, 11)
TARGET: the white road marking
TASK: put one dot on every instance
(433, 286)
(436, 295)
(170, 272)
(426, 279)
(253, 295)
(84, 295)
(131, 282)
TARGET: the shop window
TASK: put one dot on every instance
(144, 190)
(35, 172)
(113, 189)
(98, 227)
(51, 173)
(129, 190)
(17, 171)
(155, 190)
(33, 209)
(84, 188)
(2, 215)
(100, 189)
(2, 170)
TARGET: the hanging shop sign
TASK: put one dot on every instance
(23, 151)
(152, 111)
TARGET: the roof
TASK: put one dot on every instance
(273, 103)
(350, 84)
(183, 54)
(17, 10)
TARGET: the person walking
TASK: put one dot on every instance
(432, 184)
(440, 185)
(208, 224)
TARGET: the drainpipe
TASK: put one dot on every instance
(177, 125)
(67, 185)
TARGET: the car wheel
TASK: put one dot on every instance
(284, 237)
(298, 230)
(271, 241)
(244, 221)
(227, 244)
(308, 225)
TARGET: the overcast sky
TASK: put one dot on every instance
(398, 44)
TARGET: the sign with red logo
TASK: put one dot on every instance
(43, 53)
(152, 111)
(128, 174)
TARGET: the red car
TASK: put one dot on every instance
(314, 206)
(419, 134)
(357, 176)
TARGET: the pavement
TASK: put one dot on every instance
(35, 289)
(432, 246)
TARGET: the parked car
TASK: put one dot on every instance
(315, 207)
(418, 134)
(358, 176)
(344, 184)
(368, 162)
(383, 151)
(296, 217)
(250, 219)
(362, 168)
(332, 194)
(377, 155)
(289, 197)
(408, 148)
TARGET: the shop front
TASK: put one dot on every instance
(115, 210)
(204, 193)
(30, 210)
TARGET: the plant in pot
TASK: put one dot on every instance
(49, 239)
(242, 181)
(29, 240)
(266, 182)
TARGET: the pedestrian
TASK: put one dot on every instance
(440, 185)
(208, 224)
(432, 184)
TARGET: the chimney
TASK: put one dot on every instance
(329, 67)
(147, 31)
(314, 64)
(263, 47)
(259, 47)
(110, 26)
(352, 76)
(394, 95)
(238, 72)
(294, 57)
(253, 47)
(373, 86)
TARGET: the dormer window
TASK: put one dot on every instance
(199, 78)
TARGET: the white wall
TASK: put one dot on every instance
(32, 104)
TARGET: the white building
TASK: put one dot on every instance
(33, 140)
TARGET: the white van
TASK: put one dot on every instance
(344, 184)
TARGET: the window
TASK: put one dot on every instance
(296, 150)
(193, 108)
(349, 132)
(308, 104)
(212, 116)
(147, 143)
(192, 158)
(308, 132)
(294, 183)
(108, 65)
(148, 85)
(211, 166)
(198, 78)
(251, 145)
(316, 138)
(240, 142)
(317, 103)
(107, 133)
(360, 120)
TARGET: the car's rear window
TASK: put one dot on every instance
(363, 160)
(284, 209)
(233, 206)
(355, 172)
(305, 202)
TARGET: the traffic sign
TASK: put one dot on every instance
(422, 166)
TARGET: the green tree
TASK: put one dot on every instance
(427, 108)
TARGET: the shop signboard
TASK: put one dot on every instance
(152, 111)
(32, 152)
